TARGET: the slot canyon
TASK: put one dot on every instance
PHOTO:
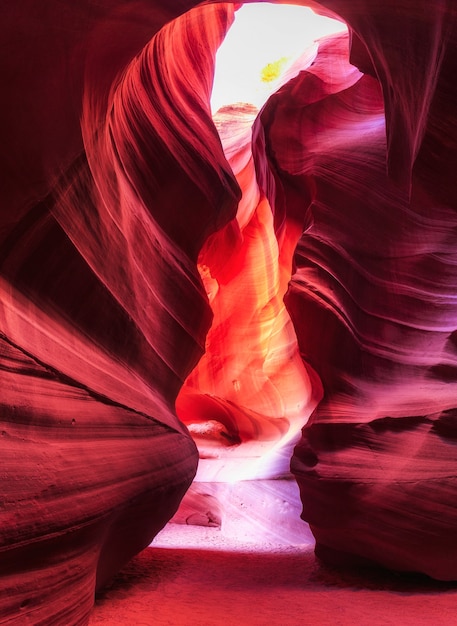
(239, 315)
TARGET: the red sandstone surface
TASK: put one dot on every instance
(313, 269)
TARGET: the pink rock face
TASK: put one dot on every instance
(372, 301)
(126, 229)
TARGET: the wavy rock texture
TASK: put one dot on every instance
(103, 313)
(250, 394)
(373, 303)
(114, 183)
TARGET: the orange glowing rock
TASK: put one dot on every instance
(251, 377)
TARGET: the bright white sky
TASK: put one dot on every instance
(263, 33)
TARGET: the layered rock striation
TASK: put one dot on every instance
(125, 230)
(111, 187)
(372, 297)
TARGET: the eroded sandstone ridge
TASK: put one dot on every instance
(112, 180)
(119, 217)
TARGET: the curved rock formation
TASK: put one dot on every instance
(250, 389)
(115, 186)
(103, 314)
(373, 298)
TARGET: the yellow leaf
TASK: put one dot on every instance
(272, 71)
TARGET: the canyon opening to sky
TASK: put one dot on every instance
(263, 42)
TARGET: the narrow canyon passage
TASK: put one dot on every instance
(232, 296)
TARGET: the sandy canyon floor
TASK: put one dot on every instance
(193, 576)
